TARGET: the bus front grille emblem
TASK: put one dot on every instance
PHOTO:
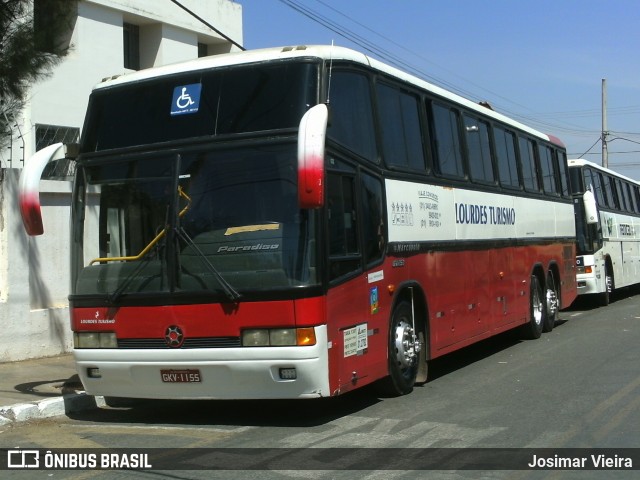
(173, 336)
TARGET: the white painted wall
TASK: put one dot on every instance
(34, 271)
(34, 274)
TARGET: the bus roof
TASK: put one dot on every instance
(581, 162)
(323, 52)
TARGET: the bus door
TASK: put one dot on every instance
(357, 311)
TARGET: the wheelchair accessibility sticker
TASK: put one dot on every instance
(186, 99)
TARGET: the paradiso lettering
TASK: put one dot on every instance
(471, 214)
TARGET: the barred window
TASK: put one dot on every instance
(48, 135)
(131, 43)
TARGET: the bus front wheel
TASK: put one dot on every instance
(605, 297)
(405, 347)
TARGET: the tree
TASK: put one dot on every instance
(34, 37)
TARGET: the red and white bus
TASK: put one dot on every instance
(301, 222)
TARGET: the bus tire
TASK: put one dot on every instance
(604, 298)
(552, 303)
(533, 328)
(405, 346)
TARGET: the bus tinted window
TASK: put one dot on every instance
(622, 195)
(506, 157)
(598, 189)
(528, 162)
(611, 197)
(449, 157)
(401, 133)
(343, 235)
(244, 99)
(633, 206)
(352, 115)
(562, 164)
(373, 220)
(548, 168)
(478, 150)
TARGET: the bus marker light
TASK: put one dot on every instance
(391, 288)
(306, 337)
(288, 374)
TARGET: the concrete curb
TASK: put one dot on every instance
(49, 407)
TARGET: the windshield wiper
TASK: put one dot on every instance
(228, 289)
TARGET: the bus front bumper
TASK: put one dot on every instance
(211, 373)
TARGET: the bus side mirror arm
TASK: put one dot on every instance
(311, 147)
(590, 208)
(29, 184)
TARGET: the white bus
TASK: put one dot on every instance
(607, 229)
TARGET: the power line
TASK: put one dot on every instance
(392, 59)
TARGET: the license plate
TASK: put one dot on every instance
(180, 376)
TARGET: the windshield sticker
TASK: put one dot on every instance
(252, 228)
(186, 99)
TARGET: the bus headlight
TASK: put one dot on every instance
(255, 338)
(278, 337)
(94, 340)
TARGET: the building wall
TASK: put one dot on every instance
(34, 274)
(34, 271)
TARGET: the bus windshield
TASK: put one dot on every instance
(242, 99)
(207, 221)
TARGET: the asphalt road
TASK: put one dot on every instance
(577, 387)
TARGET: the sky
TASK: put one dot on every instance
(541, 62)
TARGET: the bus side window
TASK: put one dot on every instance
(399, 117)
(564, 174)
(447, 139)
(622, 193)
(351, 120)
(479, 150)
(344, 251)
(549, 170)
(600, 193)
(506, 157)
(373, 226)
(528, 164)
(609, 189)
(632, 198)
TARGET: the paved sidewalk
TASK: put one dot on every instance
(41, 388)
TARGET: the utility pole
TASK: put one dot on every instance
(605, 131)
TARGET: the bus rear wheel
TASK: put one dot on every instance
(552, 302)
(533, 328)
(404, 352)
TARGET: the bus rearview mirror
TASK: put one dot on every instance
(29, 184)
(311, 147)
(590, 208)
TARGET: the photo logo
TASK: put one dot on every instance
(23, 459)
